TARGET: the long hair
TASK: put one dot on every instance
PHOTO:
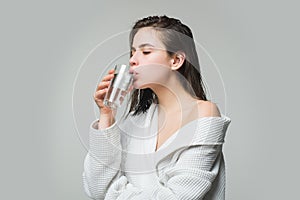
(176, 37)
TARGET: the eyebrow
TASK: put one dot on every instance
(142, 45)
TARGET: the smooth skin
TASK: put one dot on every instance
(106, 114)
(153, 68)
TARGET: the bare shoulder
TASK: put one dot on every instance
(208, 109)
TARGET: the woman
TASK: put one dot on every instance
(170, 144)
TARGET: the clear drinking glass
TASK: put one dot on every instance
(119, 87)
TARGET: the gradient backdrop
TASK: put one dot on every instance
(255, 45)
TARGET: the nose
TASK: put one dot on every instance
(133, 61)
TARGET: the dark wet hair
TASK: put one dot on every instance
(176, 37)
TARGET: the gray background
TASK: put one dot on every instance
(43, 43)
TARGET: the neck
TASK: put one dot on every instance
(173, 98)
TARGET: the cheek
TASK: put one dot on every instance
(153, 74)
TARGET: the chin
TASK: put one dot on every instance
(137, 85)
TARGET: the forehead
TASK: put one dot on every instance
(147, 35)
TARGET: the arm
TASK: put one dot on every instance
(190, 178)
(195, 171)
(102, 163)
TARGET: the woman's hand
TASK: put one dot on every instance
(101, 92)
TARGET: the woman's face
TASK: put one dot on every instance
(150, 63)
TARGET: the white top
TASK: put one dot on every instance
(122, 162)
(147, 145)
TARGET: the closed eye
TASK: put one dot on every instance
(146, 52)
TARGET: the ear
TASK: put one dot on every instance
(177, 60)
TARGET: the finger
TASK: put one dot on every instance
(123, 93)
(121, 99)
(112, 71)
(103, 85)
(99, 95)
(108, 77)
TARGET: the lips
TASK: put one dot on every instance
(134, 77)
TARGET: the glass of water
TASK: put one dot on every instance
(119, 87)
